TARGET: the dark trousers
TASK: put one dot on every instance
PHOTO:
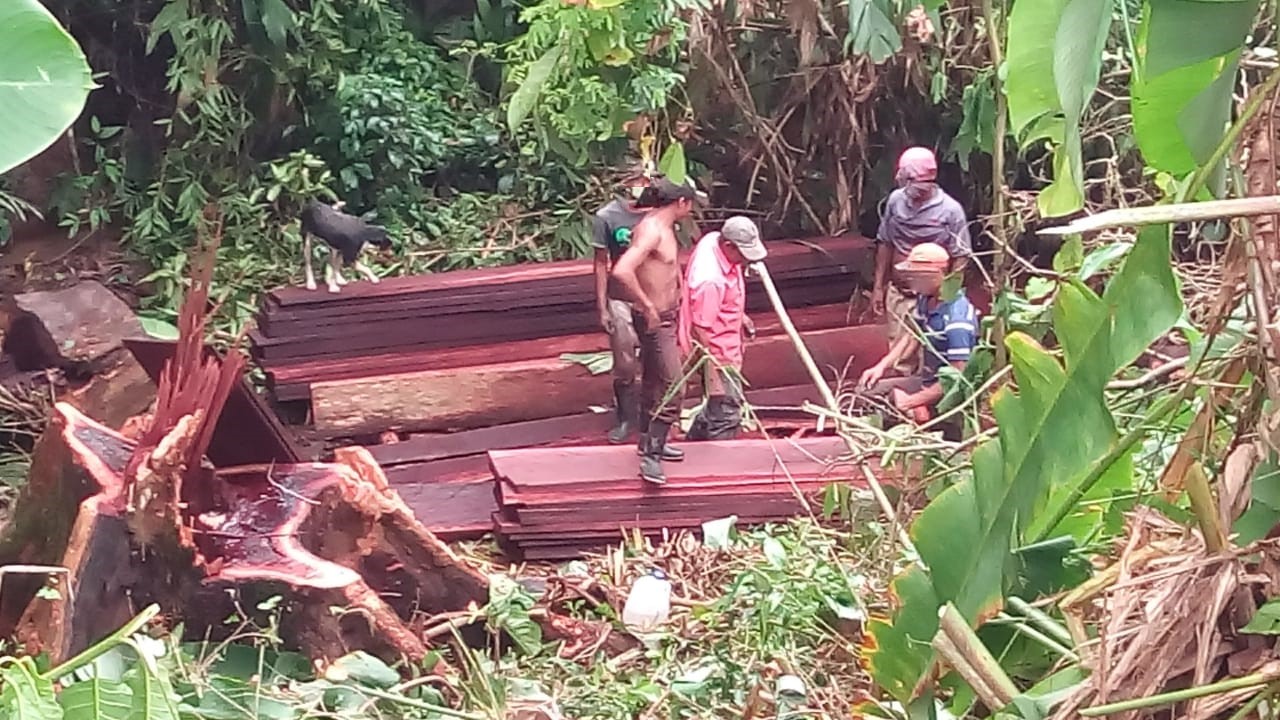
(721, 417)
(661, 391)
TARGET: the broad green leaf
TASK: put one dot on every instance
(278, 20)
(672, 163)
(1049, 91)
(1188, 53)
(44, 80)
(526, 96)
(1100, 259)
(25, 695)
(151, 692)
(158, 328)
(362, 668)
(1263, 513)
(1050, 435)
(1266, 621)
(96, 699)
(233, 699)
(872, 30)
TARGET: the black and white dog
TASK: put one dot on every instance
(346, 235)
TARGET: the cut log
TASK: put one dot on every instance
(77, 330)
(292, 381)
(534, 389)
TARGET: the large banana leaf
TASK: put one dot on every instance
(1188, 53)
(96, 699)
(44, 80)
(1051, 431)
(1049, 90)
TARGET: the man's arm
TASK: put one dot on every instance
(902, 347)
(927, 396)
(624, 271)
(879, 292)
(601, 267)
(961, 243)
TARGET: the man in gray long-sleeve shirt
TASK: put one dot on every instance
(918, 211)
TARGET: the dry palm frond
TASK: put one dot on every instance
(1169, 620)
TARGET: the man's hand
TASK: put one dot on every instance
(651, 317)
(878, 299)
(748, 327)
(871, 376)
(606, 322)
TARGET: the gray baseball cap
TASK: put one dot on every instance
(744, 234)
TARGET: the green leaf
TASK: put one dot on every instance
(1266, 621)
(597, 363)
(278, 20)
(25, 694)
(1050, 436)
(44, 80)
(774, 552)
(151, 692)
(1100, 259)
(158, 328)
(96, 699)
(716, 534)
(526, 96)
(1188, 54)
(1048, 93)
(672, 163)
(363, 669)
(872, 30)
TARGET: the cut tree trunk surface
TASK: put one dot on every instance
(479, 396)
(77, 330)
(324, 535)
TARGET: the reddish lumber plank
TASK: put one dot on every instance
(625, 492)
(357, 292)
(550, 467)
(373, 333)
(549, 387)
(459, 510)
(292, 381)
(582, 427)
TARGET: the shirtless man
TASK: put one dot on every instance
(649, 273)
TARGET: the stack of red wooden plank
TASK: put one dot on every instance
(555, 503)
(455, 319)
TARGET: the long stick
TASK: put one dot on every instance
(1181, 212)
(829, 399)
(1169, 698)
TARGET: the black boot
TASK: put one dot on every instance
(670, 454)
(652, 444)
(628, 411)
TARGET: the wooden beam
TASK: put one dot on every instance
(533, 389)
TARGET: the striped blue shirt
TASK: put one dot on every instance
(950, 332)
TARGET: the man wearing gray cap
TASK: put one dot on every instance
(713, 321)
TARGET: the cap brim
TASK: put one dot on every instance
(754, 252)
(908, 266)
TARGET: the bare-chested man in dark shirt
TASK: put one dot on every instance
(649, 273)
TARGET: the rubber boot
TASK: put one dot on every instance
(628, 412)
(653, 443)
(669, 453)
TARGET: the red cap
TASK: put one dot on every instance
(918, 163)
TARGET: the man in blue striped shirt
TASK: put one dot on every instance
(948, 330)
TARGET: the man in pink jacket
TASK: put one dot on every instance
(713, 321)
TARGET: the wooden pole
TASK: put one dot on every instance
(829, 399)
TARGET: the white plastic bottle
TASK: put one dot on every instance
(648, 604)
